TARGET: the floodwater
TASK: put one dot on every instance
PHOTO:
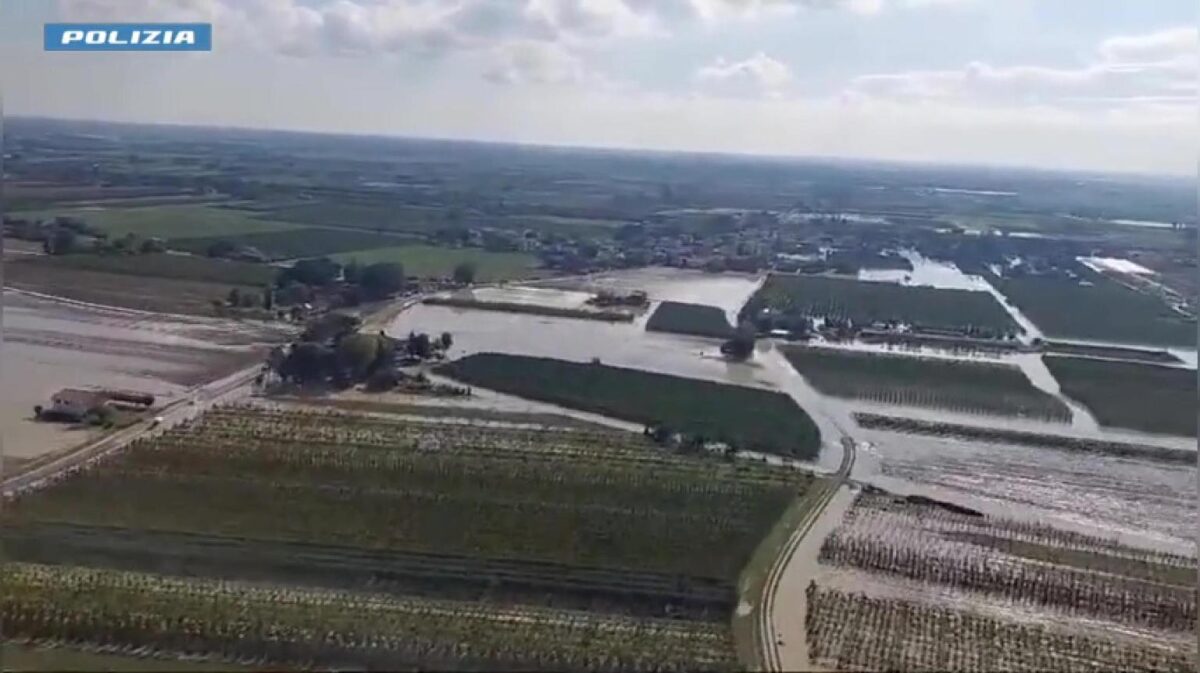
(727, 291)
(51, 345)
(1140, 499)
(1116, 265)
(528, 295)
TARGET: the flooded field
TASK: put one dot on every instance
(1136, 499)
(1033, 597)
(726, 291)
(51, 345)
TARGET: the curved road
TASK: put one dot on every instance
(765, 621)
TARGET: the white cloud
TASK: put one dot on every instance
(1165, 45)
(528, 62)
(349, 27)
(1158, 67)
(758, 74)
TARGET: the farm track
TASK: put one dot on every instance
(771, 660)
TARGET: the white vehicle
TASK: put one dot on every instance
(156, 422)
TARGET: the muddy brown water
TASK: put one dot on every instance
(1136, 500)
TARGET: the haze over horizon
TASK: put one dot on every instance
(974, 82)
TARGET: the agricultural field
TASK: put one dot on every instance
(693, 319)
(953, 385)
(21, 195)
(909, 584)
(1103, 311)
(124, 290)
(746, 418)
(166, 265)
(378, 216)
(169, 221)
(296, 243)
(865, 303)
(1144, 397)
(403, 543)
(1025, 438)
(435, 262)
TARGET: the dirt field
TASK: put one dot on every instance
(51, 345)
(115, 289)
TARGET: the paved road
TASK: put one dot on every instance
(196, 400)
(766, 632)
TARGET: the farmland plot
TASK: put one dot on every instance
(402, 542)
(966, 387)
(913, 585)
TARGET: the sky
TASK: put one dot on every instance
(1106, 85)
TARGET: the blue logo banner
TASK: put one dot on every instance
(128, 37)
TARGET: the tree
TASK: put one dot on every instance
(153, 245)
(741, 346)
(268, 298)
(331, 327)
(419, 345)
(382, 280)
(319, 272)
(464, 273)
(62, 242)
(357, 354)
(235, 297)
(307, 362)
(447, 341)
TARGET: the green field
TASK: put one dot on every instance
(967, 387)
(351, 215)
(865, 303)
(165, 265)
(693, 319)
(747, 418)
(169, 222)
(425, 220)
(434, 262)
(297, 243)
(1103, 311)
(1128, 395)
(126, 290)
(503, 548)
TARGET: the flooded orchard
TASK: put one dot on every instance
(1135, 499)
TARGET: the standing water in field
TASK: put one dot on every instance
(1139, 499)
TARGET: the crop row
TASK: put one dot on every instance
(1024, 438)
(699, 517)
(505, 476)
(247, 426)
(495, 581)
(967, 387)
(849, 631)
(321, 628)
(899, 544)
(946, 520)
(746, 418)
